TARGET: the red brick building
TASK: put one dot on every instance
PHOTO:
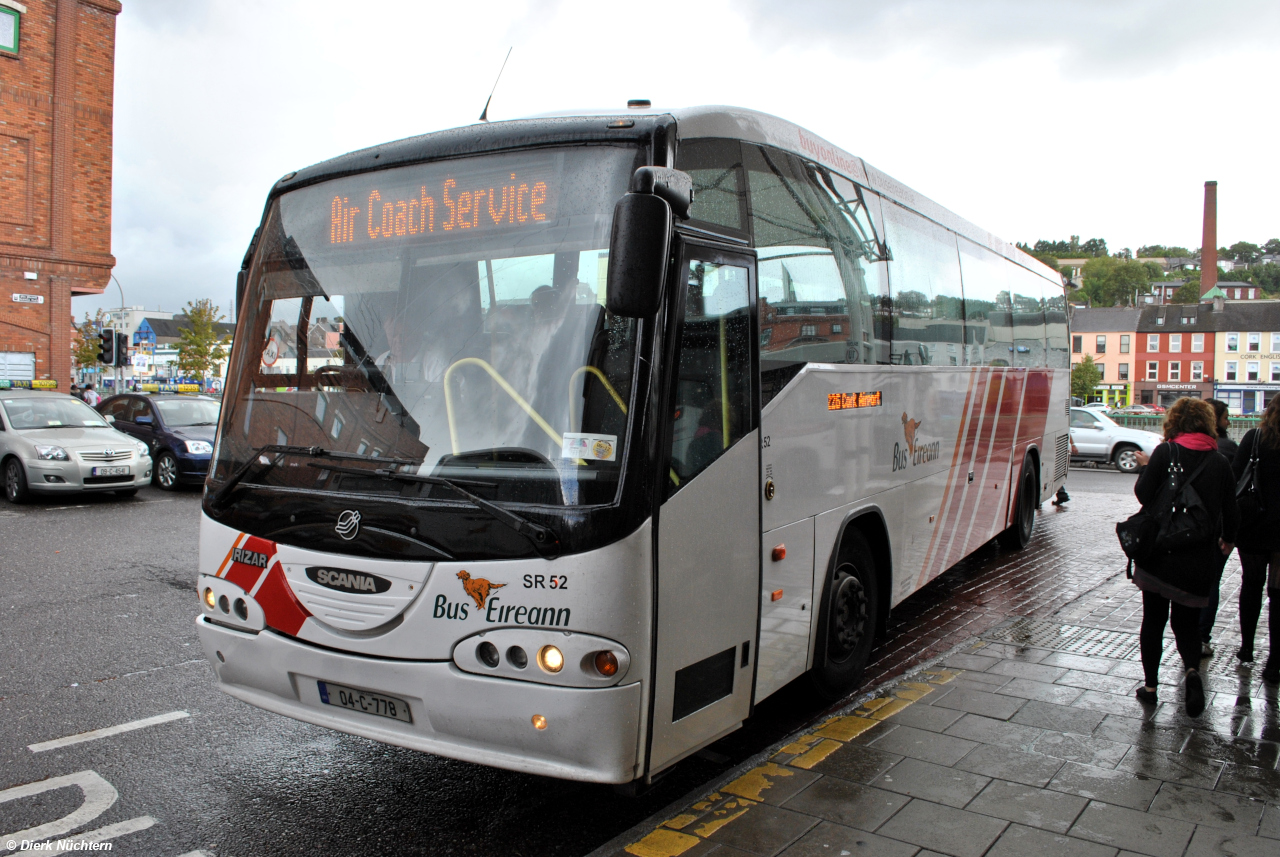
(57, 77)
(1175, 353)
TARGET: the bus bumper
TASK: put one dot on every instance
(591, 734)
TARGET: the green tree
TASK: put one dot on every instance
(1187, 293)
(1160, 250)
(1267, 276)
(201, 348)
(1094, 247)
(1084, 377)
(1241, 251)
(84, 351)
(1109, 281)
(1272, 247)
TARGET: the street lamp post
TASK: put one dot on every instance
(119, 373)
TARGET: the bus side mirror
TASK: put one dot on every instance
(641, 240)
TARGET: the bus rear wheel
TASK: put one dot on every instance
(1019, 533)
(850, 612)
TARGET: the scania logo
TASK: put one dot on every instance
(348, 581)
(348, 524)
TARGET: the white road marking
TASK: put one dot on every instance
(200, 853)
(106, 732)
(102, 834)
(99, 795)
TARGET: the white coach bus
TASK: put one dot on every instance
(558, 444)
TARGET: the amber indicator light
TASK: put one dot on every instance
(779, 553)
(776, 596)
(846, 401)
(606, 664)
(539, 722)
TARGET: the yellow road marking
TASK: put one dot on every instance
(816, 755)
(703, 805)
(873, 704)
(680, 822)
(892, 708)
(715, 824)
(753, 783)
(662, 843)
(846, 728)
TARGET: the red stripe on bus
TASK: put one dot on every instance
(283, 610)
(934, 544)
(231, 550)
(953, 513)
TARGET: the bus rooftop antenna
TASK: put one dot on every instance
(484, 114)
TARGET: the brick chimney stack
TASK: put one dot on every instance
(1209, 239)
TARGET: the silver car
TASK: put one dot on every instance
(1097, 437)
(51, 443)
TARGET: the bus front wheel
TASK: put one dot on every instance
(849, 616)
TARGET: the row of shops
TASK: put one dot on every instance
(1245, 398)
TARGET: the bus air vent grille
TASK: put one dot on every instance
(1062, 456)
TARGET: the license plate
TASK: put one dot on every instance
(364, 700)
(110, 471)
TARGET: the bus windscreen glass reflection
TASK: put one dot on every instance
(450, 315)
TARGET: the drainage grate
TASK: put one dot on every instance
(1065, 638)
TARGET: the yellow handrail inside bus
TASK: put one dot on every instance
(622, 406)
(506, 388)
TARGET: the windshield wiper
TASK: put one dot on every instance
(542, 537)
(282, 450)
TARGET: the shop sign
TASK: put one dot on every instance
(28, 299)
(1192, 387)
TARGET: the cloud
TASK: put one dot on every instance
(1091, 37)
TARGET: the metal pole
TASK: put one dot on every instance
(119, 369)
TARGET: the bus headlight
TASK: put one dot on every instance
(551, 659)
(210, 599)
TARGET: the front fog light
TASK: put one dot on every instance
(210, 599)
(550, 659)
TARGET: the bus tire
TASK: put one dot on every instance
(1019, 533)
(848, 620)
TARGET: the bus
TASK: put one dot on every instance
(558, 444)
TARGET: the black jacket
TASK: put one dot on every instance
(1195, 570)
(1228, 447)
(1263, 536)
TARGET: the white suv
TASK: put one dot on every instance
(1097, 437)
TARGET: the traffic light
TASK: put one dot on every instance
(107, 348)
(122, 348)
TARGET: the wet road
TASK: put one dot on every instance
(98, 603)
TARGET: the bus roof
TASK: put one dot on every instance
(653, 125)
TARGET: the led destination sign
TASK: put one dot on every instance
(457, 202)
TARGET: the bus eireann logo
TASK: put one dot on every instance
(478, 588)
(348, 524)
(909, 427)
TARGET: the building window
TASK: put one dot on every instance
(1124, 343)
(1186, 319)
(1159, 320)
(1197, 343)
(336, 429)
(1175, 343)
(1101, 345)
(1102, 371)
(1153, 342)
(837, 328)
(808, 330)
(1077, 344)
(1255, 343)
(1231, 370)
(1275, 342)
(1237, 294)
(1251, 370)
(10, 27)
(1233, 342)
(1175, 370)
(1252, 292)
(1197, 370)
(1122, 372)
(1275, 371)
(1153, 371)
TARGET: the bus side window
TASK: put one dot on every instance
(712, 406)
(1055, 326)
(1028, 317)
(925, 275)
(988, 306)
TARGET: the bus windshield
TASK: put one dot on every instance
(447, 315)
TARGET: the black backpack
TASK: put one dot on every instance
(1175, 520)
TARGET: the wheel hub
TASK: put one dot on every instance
(848, 616)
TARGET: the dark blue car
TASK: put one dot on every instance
(179, 429)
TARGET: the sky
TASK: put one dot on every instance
(1033, 119)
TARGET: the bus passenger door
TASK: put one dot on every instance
(709, 525)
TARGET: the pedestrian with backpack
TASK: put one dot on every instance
(1227, 447)
(1189, 490)
(1260, 535)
